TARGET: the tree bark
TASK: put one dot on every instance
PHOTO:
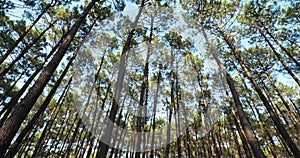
(244, 122)
(15, 146)
(12, 124)
(103, 148)
(274, 117)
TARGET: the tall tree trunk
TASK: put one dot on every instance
(279, 57)
(47, 129)
(29, 143)
(10, 50)
(67, 152)
(178, 118)
(14, 147)
(241, 114)
(286, 105)
(8, 91)
(282, 47)
(79, 147)
(231, 123)
(241, 133)
(215, 145)
(295, 107)
(144, 94)
(25, 50)
(112, 115)
(7, 109)
(278, 111)
(152, 154)
(12, 124)
(171, 106)
(259, 116)
(275, 118)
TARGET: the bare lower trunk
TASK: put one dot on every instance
(275, 118)
(12, 124)
(244, 122)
